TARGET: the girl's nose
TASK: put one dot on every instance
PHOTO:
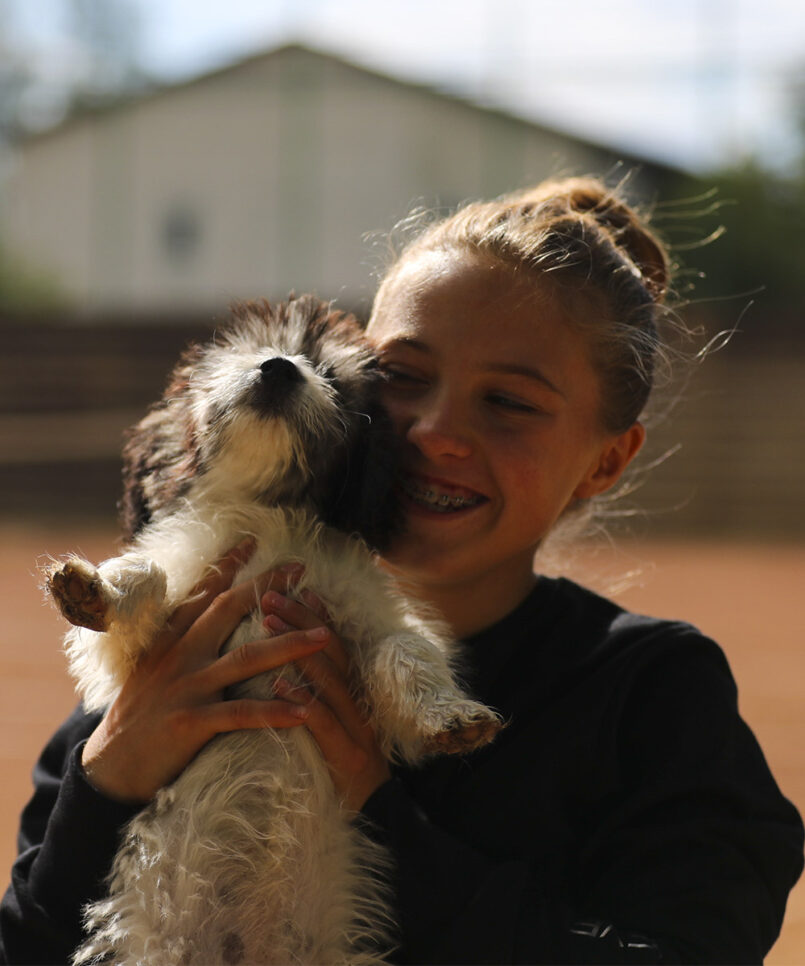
(437, 431)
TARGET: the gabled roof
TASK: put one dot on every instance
(120, 102)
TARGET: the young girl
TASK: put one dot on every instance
(626, 814)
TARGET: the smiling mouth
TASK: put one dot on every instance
(440, 499)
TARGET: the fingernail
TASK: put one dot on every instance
(245, 547)
(292, 568)
(275, 623)
(317, 634)
(273, 599)
(299, 711)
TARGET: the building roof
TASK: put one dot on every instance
(119, 101)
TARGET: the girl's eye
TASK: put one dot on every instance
(401, 377)
(507, 402)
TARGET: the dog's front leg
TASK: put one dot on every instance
(116, 608)
(417, 705)
(124, 596)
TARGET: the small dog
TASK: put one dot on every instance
(272, 430)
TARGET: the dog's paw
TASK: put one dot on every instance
(460, 728)
(78, 590)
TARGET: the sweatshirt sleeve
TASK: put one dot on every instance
(688, 856)
(67, 839)
(701, 848)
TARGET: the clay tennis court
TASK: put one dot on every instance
(747, 596)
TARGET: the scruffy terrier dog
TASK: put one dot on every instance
(273, 430)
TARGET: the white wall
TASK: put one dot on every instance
(270, 174)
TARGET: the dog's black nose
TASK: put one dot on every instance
(280, 370)
(277, 387)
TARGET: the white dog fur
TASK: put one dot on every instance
(249, 857)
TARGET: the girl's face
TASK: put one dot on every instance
(497, 403)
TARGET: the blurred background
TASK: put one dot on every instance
(160, 158)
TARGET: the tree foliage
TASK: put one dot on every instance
(742, 243)
(24, 289)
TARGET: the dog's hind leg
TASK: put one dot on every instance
(418, 706)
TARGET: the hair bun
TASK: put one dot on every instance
(589, 197)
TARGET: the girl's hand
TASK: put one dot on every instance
(346, 740)
(172, 704)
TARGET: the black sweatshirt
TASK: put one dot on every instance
(626, 813)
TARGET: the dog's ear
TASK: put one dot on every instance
(360, 495)
(161, 454)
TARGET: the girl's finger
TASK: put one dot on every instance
(276, 625)
(356, 764)
(338, 655)
(218, 579)
(255, 657)
(250, 714)
(331, 689)
(285, 612)
(343, 754)
(296, 693)
(316, 604)
(223, 613)
(291, 611)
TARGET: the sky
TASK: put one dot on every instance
(695, 83)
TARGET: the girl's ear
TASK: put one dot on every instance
(615, 455)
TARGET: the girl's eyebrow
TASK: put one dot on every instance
(408, 342)
(529, 372)
(504, 368)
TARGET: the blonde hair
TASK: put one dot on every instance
(591, 243)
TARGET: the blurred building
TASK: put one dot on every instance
(259, 178)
